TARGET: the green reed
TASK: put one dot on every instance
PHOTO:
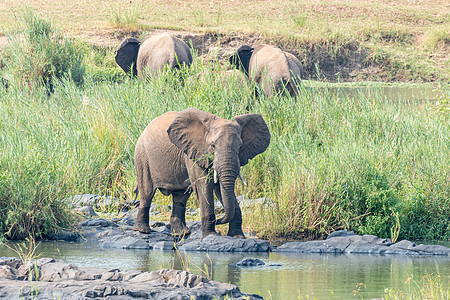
(336, 160)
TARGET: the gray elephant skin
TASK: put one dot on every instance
(270, 67)
(152, 54)
(178, 153)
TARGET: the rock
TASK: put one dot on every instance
(87, 210)
(98, 222)
(6, 272)
(244, 202)
(249, 262)
(340, 233)
(65, 235)
(348, 242)
(61, 280)
(219, 243)
(164, 245)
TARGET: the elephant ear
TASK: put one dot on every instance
(188, 132)
(255, 136)
(241, 58)
(126, 54)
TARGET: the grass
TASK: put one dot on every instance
(337, 160)
(429, 287)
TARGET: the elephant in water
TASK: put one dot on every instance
(269, 66)
(190, 150)
(153, 53)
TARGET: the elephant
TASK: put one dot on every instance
(192, 150)
(153, 53)
(269, 66)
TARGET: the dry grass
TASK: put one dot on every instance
(244, 16)
(383, 40)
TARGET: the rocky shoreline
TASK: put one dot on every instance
(49, 278)
(118, 233)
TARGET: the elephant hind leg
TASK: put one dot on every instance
(146, 191)
(178, 219)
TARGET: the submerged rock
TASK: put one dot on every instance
(249, 262)
(57, 279)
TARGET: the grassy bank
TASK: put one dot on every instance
(353, 40)
(376, 165)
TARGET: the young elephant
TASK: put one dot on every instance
(180, 151)
(269, 66)
(153, 53)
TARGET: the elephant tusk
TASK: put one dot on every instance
(242, 178)
(215, 176)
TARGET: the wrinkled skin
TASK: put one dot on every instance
(270, 67)
(152, 54)
(177, 154)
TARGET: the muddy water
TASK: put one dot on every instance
(320, 276)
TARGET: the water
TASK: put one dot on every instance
(413, 94)
(320, 276)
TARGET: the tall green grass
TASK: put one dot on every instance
(336, 161)
(38, 53)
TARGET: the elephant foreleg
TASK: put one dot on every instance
(235, 225)
(177, 219)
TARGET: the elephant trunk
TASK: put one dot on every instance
(227, 178)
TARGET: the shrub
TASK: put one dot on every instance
(38, 53)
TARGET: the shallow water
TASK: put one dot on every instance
(413, 94)
(320, 276)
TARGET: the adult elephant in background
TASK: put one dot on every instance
(153, 53)
(270, 67)
(190, 150)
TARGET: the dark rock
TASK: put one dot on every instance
(219, 243)
(98, 222)
(155, 224)
(249, 262)
(64, 235)
(348, 242)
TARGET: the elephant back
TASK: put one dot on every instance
(269, 67)
(161, 49)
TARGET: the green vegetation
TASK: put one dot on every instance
(374, 165)
(429, 287)
(40, 54)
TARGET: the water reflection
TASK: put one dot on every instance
(414, 94)
(320, 276)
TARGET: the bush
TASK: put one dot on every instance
(39, 53)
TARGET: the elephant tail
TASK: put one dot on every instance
(135, 191)
(292, 88)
